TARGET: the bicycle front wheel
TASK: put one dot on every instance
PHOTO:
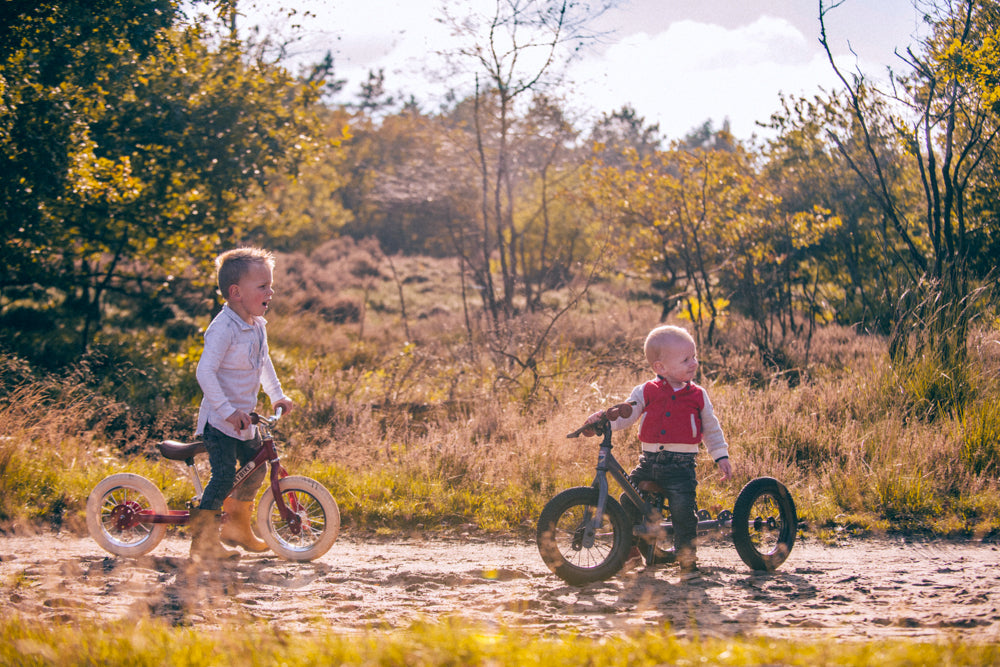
(112, 514)
(564, 545)
(314, 530)
(764, 523)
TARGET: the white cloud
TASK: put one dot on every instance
(689, 71)
(694, 72)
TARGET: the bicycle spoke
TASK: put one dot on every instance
(311, 516)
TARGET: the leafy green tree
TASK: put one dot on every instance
(706, 229)
(858, 263)
(548, 226)
(57, 62)
(941, 117)
(408, 182)
(615, 133)
(135, 143)
(305, 210)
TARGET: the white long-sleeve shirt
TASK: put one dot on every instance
(235, 364)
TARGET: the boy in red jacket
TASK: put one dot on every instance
(676, 417)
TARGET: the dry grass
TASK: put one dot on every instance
(418, 418)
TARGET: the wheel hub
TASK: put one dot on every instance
(124, 516)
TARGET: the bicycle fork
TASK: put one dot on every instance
(591, 525)
(290, 515)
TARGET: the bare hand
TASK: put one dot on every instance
(726, 468)
(622, 410)
(285, 405)
(611, 414)
(239, 420)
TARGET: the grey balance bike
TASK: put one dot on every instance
(585, 535)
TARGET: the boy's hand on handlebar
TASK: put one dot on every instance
(622, 410)
(611, 414)
(239, 420)
(285, 405)
(592, 419)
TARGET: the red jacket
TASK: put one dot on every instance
(671, 416)
(675, 420)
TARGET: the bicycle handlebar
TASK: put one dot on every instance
(597, 427)
(604, 422)
(267, 421)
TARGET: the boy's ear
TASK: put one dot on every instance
(234, 292)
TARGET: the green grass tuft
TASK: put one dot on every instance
(450, 642)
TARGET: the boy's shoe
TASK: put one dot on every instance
(662, 557)
(236, 530)
(689, 572)
(634, 560)
(205, 545)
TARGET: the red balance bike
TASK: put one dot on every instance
(297, 517)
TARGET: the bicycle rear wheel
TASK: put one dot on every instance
(563, 543)
(112, 514)
(318, 521)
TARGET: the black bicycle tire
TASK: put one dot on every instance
(609, 563)
(755, 489)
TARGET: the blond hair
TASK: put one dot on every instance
(660, 337)
(232, 265)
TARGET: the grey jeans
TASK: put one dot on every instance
(675, 474)
(223, 454)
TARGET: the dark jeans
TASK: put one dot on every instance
(223, 453)
(675, 474)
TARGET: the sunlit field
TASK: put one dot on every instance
(447, 643)
(415, 419)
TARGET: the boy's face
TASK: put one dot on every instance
(677, 361)
(252, 294)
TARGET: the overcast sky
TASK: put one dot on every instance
(677, 62)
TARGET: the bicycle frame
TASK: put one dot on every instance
(267, 455)
(608, 464)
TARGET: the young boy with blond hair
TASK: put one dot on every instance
(233, 367)
(676, 418)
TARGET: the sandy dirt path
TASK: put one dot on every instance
(865, 589)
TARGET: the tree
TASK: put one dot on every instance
(55, 59)
(307, 209)
(410, 182)
(616, 133)
(548, 225)
(135, 144)
(706, 229)
(857, 263)
(941, 112)
(516, 50)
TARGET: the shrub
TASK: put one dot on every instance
(980, 451)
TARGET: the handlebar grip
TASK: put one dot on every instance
(278, 412)
(598, 427)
